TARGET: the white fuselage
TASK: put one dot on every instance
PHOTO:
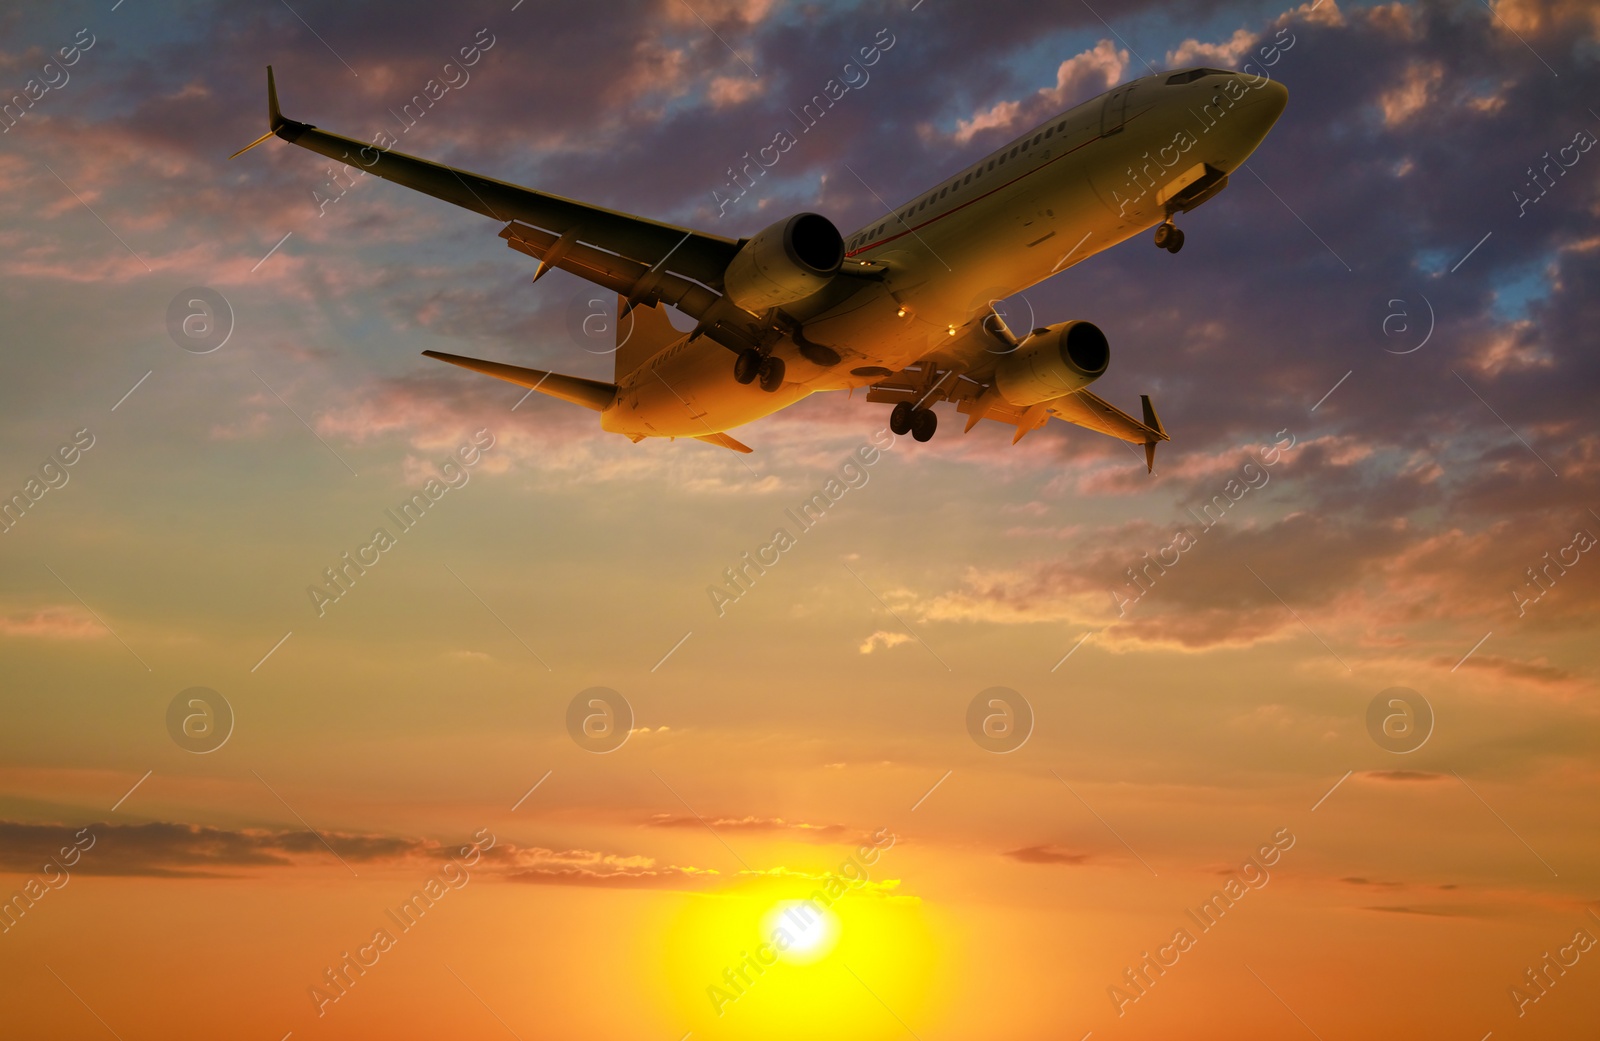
(1078, 184)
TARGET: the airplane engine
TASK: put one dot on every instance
(1053, 361)
(787, 262)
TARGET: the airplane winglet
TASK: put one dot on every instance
(275, 120)
(274, 114)
(1152, 421)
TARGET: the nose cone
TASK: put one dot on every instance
(1263, 102)
(1275, 98)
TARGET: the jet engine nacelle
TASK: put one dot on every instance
(1053, 361)
(787, 262)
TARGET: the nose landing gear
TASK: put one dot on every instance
(1168, 236)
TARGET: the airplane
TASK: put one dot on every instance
(903, 307)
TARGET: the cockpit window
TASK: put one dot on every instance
(1193, 74)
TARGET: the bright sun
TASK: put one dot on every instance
(800, 930)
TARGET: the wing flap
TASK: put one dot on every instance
(724, 441)
(638, 283)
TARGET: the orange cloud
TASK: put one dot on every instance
(1046, 855)
(1082, 76)
(803, 829)
(1416, 90)
(52, 623)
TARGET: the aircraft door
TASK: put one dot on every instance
(1114, 113)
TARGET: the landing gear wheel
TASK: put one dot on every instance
(1175, 242)
(747, 366)
(924, 421)
(771, 374)
(900, 419)
(1164, 234)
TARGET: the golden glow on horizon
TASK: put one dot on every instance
(722, 958)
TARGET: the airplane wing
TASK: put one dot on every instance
(646, 261)
(975, 395)
(1095, 413)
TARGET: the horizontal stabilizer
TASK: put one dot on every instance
(724, 441)
(588, 393)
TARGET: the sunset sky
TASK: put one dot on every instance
(1389, 319)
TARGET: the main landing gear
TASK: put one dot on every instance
(1168, 237)
(906, 418)
(751, 365)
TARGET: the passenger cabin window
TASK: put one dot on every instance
(968, 180)
(1048, 131)
(1037, 138)
(1014, 151)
